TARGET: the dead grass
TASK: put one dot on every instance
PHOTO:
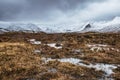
(117, 74)
(74, 71)
(19, 62)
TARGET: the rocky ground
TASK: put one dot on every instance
(63, 56)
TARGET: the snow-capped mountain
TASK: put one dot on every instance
(3, 30)
(23, 27)
(109, 26)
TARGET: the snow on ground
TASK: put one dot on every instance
(33, 41)
(76, 51)
(100, 47)
(107, 68)
(37, 51)
(70, 60)
(54, 45)
(94, 45)
(52, 70)
(45, 60)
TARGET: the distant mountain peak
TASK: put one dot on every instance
(88, 26)
(116, 20)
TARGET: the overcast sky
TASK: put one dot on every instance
(58, 11)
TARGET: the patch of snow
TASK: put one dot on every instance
(47, 59)
(115, 49)
(107, 68)
(76, 51)
(37, 51)
(33, 41)
(101, 47)
(36, 42)
(97, 45)
(70, 60)
(118, 65)
(54, 45)
(96, 49)
(53, 70)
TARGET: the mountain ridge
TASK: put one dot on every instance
(109, 26)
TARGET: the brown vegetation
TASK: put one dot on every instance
(18, 61)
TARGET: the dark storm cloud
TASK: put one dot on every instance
(57, 10)
(48, 9)
(9, 9)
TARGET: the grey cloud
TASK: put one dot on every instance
(51, 10)
(10, 8)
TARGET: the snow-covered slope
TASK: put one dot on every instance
(23, 27)
(60, 28)
(3, 30)
(109, 26)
